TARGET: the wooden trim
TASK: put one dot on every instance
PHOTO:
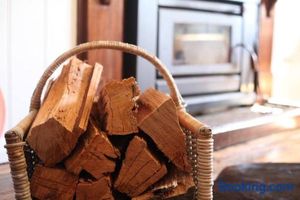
(81, 25)
(265, 50)
(102, 21)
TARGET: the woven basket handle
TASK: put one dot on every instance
(129, 48)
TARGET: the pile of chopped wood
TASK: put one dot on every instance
(109, 142)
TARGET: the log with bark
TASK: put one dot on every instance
(64, 113)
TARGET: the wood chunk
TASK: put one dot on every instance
(64, 112)
(180, 181)
(157, 117)
(117, 107)
(146, 196)
(94, 83)
(140, 169)
(94, 190)
(158, 175)
(176, 183)
(52, 183)
(47, 88)
(94, 154)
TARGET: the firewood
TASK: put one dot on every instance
(94, 154)
(48, 87)
(174, 184)
(140, 169)
(157, 117)
(94, 190)
(87, 107)
(63, 115)
(52, 183)
(117, 106)
(149, 182)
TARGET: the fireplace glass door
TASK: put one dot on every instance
(198, 42)
(194, 39)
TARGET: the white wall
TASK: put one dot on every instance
(32, 34)
(286, 51)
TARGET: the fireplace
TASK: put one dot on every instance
(196, 40)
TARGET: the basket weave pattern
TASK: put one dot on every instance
(199, 142)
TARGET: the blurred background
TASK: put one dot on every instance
(32, 34)
(230, 59)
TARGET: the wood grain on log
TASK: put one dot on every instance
(94, 154)
(63, 115)
(157, 117)
(87, 107)
(140, 169)
(94, 190)
(117, 107)
(52, 183)
(174, 184)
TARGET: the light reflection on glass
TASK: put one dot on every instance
(201, 44)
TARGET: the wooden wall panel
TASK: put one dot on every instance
(265, 50)
(102, 21)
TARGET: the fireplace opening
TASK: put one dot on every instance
(196, 40)
(192, 40)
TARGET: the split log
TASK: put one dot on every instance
(52, 183)
(47, 88)
(140, 169)
(87, 107)
(94, 154)
(175, 184)
(157, 117)
(117, 107)
(94, 190)
(63, 115)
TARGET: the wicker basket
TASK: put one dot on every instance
(199, 142)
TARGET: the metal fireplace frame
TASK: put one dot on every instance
(168, 16)
(142, 24)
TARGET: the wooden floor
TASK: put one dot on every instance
(6, 187)
(280, 147)
(261, 175)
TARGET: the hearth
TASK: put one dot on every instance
(196, 40)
